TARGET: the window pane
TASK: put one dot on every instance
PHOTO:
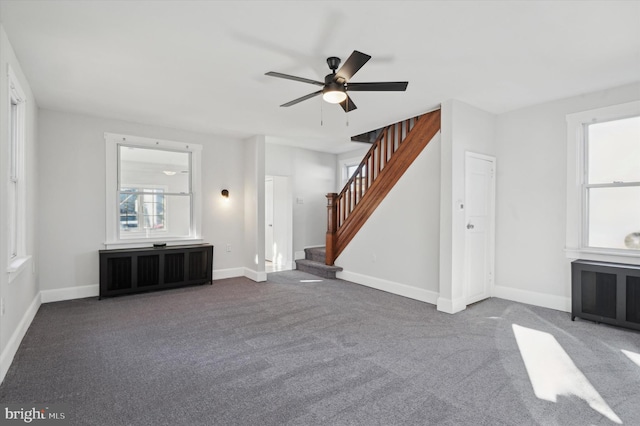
(153, 210)
(614, 213)
(614, 151)
(155, 167)
(178, 215)
(153, 214)
(128, 211)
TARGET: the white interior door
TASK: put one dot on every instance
(268, 219)
(480, 219)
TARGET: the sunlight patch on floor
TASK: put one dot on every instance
(311, 281)
(552, 372)
(635, 357)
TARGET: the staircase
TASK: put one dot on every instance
(314, 263)
(394, 150)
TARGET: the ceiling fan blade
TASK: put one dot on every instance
(388, 86)
(348, 105)
(351, 66)
(293, 77)
(304, 98)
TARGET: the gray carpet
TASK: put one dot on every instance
(323, 353)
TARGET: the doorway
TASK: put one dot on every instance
(480, 226)
(278, 202)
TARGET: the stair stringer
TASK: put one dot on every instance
(408, 150)
(397, 249)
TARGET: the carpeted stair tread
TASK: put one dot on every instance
(317, 268)
(317, 254)
(314, 263)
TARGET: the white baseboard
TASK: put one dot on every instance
(450, 306)
(544, 300)
(69, 293)
(390, 287)
(6, 358)
(220, 274)
(255, 275)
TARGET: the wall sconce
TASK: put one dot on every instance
(225, 193)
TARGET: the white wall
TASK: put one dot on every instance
(531, 265)
(397, 249)
(313, 176)
(71, 159)
(464, 128)
(20, 297)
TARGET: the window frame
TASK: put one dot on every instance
(112, 214)
(577, 218)
(16, 222)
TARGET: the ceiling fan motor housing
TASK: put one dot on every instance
(331, 83)
(333, 63)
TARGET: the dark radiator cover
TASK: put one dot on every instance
(126, 271)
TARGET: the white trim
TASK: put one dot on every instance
(255, 275)
(449, 306)
(220, 274)
(544, 300)
(70, 293)
(112, 214)
(10, 350)
(17, 265)
(603, 255)
(149, 243)
(17, 96)
(390, 286)
(575, 239)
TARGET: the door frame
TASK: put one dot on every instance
(283, 209)
(491, 224)
(268, 200)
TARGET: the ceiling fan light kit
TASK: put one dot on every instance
(336, 85)
(334, 93)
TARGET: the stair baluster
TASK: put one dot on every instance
(390, 155)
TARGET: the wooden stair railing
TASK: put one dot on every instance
(397, 146)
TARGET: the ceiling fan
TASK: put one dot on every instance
(336, 85)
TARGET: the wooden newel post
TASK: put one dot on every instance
(332, 227)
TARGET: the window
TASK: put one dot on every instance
(142, 208)
(16, 196)
(348, 167)
(152, 191)
(611, 188)
(603, 184)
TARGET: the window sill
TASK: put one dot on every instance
(109, 245)
(16, 266)
(604, 255)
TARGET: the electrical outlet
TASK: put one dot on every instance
(228, 248)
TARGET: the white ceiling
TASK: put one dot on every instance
(199, 65)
